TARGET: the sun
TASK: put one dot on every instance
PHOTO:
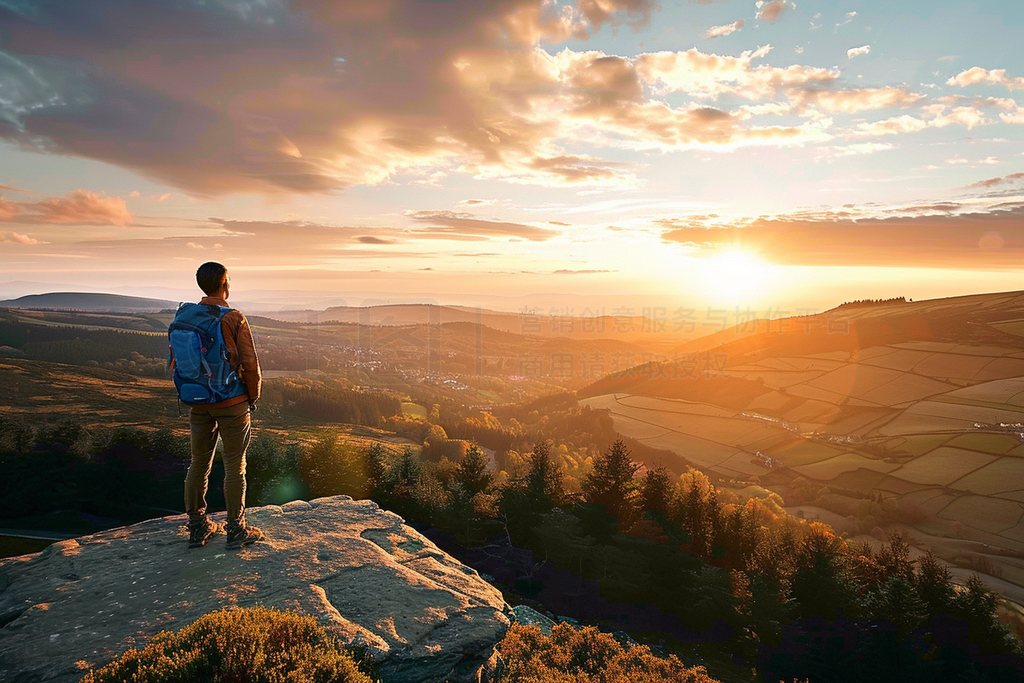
(733, 274)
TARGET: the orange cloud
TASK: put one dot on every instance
(80, 207)
(17, 238)
(317, 95)
(944, 234)
(454, 224)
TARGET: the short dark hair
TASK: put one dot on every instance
(211, 276)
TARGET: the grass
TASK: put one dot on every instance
(827, 470)
(253, 645)
(1005, 474)
(942, 466)
(803, 453)
(986, 443)
(414, 410)
(987, 514)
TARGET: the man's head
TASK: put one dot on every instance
(213, 279)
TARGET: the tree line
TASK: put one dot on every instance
(633, 547)
(792, 598)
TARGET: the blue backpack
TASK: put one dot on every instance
(202, 373)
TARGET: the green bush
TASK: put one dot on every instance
(585, 655)
(252, 645)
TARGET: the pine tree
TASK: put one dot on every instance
(611, 482)
(544, 486)
(655, 491)
(472, 471)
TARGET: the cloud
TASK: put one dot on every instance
(965, 116)
(968, 116)
(940, 236)
(453, 224)
(958, 160)
(17, 238)
(1016, 116)
(855, 100)
(223, 96)
(724, 30)
(897, 125)
(312, 95)
(771, 11)
(709, 75)
(1013, 180)
(80, 207)
(858, 51)
(856, 149)
(370, 239)
(636, 13)
(976, 75)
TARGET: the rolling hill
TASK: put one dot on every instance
(909, 413)
(87, 301)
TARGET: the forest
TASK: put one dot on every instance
(739, 586)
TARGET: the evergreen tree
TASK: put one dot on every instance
(544, 486)
(655, 491)
(611, 483)
(472, 471)
(377, 472)
(407, 473)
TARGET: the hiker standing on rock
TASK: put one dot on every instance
(217, 373)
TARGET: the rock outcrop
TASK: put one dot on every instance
(361, 570)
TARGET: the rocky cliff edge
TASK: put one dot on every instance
(364, 573)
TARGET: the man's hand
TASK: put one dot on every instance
(252, 406)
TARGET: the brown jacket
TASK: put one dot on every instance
(241, 355)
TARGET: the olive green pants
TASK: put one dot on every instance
(233, 426)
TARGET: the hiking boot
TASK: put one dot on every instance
(200, 532)
(240, 534)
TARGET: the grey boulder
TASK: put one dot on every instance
(373, 580)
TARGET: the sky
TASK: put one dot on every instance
(567, 157)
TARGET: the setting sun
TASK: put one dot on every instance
(735, 273)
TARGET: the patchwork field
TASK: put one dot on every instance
(919, 406)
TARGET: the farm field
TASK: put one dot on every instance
(919, 407)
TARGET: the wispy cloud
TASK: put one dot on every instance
(454, 223)
(724, 30)
(847, 18)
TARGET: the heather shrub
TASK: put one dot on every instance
(252, 645)
(585, 655)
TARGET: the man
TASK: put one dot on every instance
(227, 418)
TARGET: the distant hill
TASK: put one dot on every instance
(893, 413)
(622, 325)
(88, 301)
